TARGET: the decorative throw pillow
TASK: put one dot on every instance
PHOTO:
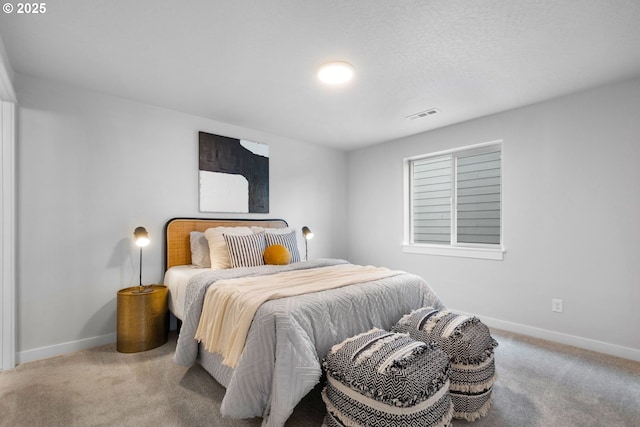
(245, 251)
(218, 247)
(200, 256)
(277, 255)
(288, 240)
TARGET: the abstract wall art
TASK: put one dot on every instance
(233, 174)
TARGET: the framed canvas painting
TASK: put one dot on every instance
(233, 175)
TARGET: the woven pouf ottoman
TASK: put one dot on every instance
(381, 378)
(469, 345)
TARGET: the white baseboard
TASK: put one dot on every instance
(67, 347)
(585, 343)
(559, 337)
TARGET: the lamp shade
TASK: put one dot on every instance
(141, 236)
(307, 233)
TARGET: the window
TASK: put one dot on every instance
(455, 203)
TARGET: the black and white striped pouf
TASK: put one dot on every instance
(382, 378)
(469, 345)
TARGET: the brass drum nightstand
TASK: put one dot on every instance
(143, 318)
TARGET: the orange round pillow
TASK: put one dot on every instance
(277, 255)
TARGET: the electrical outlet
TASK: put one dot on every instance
(556, 305)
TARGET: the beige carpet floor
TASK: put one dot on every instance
(541, 384)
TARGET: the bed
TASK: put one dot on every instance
(280, 360)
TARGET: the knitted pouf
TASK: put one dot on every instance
(381, 378)
(469, 345)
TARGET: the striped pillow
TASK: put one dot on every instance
(218, 251)
(287, 240)
(245, 251)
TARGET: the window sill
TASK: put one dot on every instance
(455, 251)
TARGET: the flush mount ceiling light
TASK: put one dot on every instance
(335, 73)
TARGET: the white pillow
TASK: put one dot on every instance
(218, 247)
(200, 256)
(268, 230)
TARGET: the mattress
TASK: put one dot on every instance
(176, 280)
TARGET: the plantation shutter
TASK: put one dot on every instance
(478, 197)
(432, 185)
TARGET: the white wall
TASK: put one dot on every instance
(571, 208)
(92, 167)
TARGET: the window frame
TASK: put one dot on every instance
(454, 248)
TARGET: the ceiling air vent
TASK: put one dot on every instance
(425, 113)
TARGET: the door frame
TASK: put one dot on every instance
(7, 234)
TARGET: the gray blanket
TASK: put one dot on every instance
(289, 337)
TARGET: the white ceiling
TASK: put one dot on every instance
(253, 63)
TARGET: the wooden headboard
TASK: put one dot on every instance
(176, 233)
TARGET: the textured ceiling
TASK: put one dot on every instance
(253, 63)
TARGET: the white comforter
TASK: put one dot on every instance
(289, 337)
